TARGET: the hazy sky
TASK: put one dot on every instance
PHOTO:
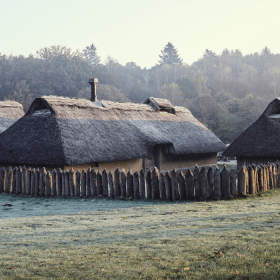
(137, 30)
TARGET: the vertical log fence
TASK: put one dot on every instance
(200, 184)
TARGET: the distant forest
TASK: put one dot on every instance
(226, 92)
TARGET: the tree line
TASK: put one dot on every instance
(226, 92)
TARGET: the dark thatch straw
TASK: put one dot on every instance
(261, 139)
(75, 131)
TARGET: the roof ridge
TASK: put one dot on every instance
(10, 103)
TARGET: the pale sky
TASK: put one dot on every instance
(137, 30)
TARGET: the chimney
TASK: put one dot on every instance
(93, 83)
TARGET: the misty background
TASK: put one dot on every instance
(218, 58)
(226, 91)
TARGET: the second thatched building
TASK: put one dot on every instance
(10, 112)
(259, 143)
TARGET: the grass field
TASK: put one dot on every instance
(233, 239)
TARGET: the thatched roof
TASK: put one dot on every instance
(262, 138)
(10, 111)
(67, 131)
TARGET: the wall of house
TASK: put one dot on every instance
(133, 165)
(165, 161)
(169, 161)
(247, 161)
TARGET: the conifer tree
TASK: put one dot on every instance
(91, 55)
(170, 55)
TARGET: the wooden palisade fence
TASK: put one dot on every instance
(199, 184)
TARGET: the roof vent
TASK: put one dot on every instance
(41, 113)
(275, 116)
(161, 105)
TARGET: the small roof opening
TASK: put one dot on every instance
(275, 116)
(41, 113)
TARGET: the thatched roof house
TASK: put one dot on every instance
(10, 112)
(259, 143)
(70, 132)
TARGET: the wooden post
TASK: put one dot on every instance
(264, 177)
(105, 183)
(136, 185)
(149, 184)
(142, 184)
(88, 183)
(66, 183)
(255, 178)
(155, 183)
(217, 183)
(233, 176)
(182, 186)
(210, 177)
(203, 183)
(59, 182)
(242, 184)
(63, 183)
(23, 181)
(37, 181)
(267, 178)
(111, 184)
(276, 164)
(274, 175)
(42, 183)
(9, 179)
(174, 184)
(83, 183)
(196, 183)
(252, 183)
(278, 173)
(162, 192)
(71, 182)
(271, 173)
(189, 185)
(123, 183)
(14, 181)
(54, 192)
(117, 183)
(271, 179)
(48, 184)
(78, 184)
(247, 180)
(168, 187)
(92, 180)
(99, 184)
(2, 179)
(129, 178)
(33, 181)
(28, 181)
(18, 180)
(260, 178)
(224, 182)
